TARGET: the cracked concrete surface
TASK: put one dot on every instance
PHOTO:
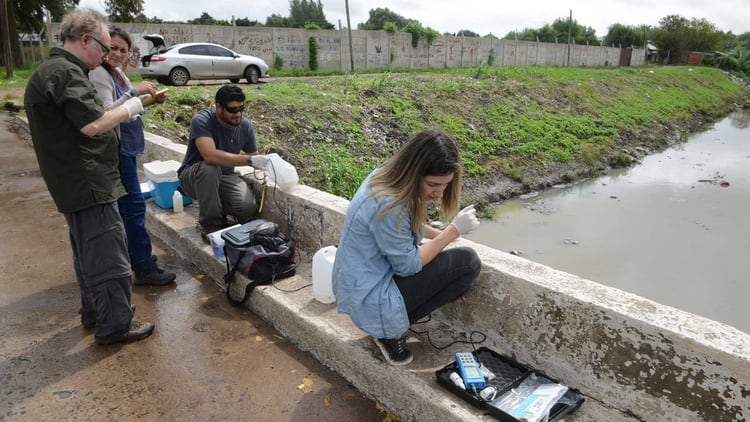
(207, 360)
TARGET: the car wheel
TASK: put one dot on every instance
(234, 81)
(252, 74)
(179, 76)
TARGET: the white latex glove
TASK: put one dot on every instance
(466, 220)
(259, 161)
(133, 106)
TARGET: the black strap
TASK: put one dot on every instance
(229, 279)
(230, 276)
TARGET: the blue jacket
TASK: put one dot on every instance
(374, 248)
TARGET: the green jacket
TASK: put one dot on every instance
(79, 171)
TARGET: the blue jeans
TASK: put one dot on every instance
(133, 212)
(445, 279)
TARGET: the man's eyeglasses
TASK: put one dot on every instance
(105, 49)
(232, 110)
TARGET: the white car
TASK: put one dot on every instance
(180, 63)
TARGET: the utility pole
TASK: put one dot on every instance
(6, 36)
(570, 30)
(349, 30)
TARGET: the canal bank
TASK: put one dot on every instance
(626, 353)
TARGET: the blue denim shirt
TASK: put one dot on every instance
(374, 248)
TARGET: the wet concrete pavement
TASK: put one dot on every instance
(207, 360)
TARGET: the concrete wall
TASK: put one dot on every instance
(374, 49)
(630, 353)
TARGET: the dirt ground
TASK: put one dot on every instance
(207, 360)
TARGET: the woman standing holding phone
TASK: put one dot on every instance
(113, 88)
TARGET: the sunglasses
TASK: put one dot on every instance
(232, 110)
(104, 48)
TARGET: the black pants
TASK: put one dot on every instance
(445, 279)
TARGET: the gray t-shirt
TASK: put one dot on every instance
(232, 139)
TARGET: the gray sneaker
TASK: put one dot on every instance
(394, 351)
(137, 331)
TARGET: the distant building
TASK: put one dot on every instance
(30, 39)
(652, 53)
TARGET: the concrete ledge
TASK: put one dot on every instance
(411, 392)
(627, 352)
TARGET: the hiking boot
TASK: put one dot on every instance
(137, 331)
(156, 277)
(394, 350)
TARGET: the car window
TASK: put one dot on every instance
(197, 50)
(215, 50)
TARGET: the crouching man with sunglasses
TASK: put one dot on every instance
(207, 174)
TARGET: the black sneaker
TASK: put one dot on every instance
(206, 230)
(394, 351)
(154, 278)
(137, 331)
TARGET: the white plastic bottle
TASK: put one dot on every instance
(177, 201)
(322, 268)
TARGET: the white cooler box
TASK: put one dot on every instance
(162, 178)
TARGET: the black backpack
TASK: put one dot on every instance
(259, 251)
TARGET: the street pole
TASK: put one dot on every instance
(6, 37)
(349, 29)
(570, 29)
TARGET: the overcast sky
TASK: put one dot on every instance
(480, 16)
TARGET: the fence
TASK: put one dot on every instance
(375, 49)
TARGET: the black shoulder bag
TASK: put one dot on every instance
(259, 251)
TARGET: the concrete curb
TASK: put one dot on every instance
(411, 392)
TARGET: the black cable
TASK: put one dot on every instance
(470, 341)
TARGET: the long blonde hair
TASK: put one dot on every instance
(428, 153)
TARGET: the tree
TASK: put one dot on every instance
(277, 21)
(27, 16)
(124, 10)
(676, 36)
(246, 22)
(704, 36)
(206, 19)
(302, 12)
(379, 17)
(620, 35)
(466, 33)
(557, 32)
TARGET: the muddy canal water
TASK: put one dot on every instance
(674, 229)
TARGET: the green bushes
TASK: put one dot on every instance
(313, 44)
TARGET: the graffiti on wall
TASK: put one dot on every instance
(374, 49)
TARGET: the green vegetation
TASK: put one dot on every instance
(532, 125)
(527, 126)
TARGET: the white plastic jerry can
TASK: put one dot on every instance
(322, 277)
